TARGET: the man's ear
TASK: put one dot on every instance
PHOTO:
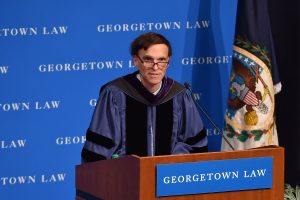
(135, 60)
(169, 61)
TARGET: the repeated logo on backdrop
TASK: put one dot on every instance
(3, 69)
(153, 26)
(13, 144)
(32, 31)
(85, 66)
(26, 106)
(8, 181)
(70, 140)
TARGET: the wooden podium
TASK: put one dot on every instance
(134, 178)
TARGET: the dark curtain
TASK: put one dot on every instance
(285, 22)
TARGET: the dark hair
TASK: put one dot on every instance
(146, 40)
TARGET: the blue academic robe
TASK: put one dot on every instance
(128, 120)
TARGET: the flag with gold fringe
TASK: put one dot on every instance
(254, 81)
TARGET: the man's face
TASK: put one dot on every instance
(152, 74)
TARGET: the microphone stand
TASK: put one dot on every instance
(188, 87)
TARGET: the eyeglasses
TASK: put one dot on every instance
(150, 63)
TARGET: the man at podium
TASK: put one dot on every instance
(145, 113)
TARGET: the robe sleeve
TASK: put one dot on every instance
(191, 136)
(103, 136)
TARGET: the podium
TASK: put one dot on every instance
(134, 178)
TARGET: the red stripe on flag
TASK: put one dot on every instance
(250, 99)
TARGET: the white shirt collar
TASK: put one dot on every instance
(156, 92)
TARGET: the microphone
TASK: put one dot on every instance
(188, 87)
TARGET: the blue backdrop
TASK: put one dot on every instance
(55, 56)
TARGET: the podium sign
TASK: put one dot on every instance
(243, 174)
(214, 176)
